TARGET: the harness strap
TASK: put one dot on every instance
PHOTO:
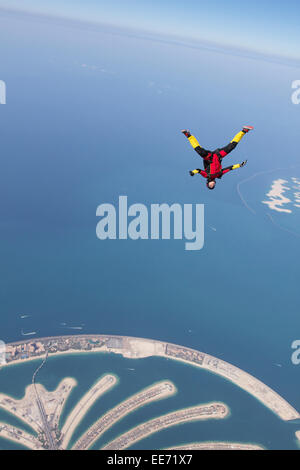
(210, 160)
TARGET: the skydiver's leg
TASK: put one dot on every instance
(231, 146)
(237, 138)
(195, 144)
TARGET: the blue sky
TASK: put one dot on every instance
(267, 26)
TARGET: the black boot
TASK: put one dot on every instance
(186, 133)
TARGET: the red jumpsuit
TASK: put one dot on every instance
(213, 159)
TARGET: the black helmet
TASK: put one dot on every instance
(209, 181)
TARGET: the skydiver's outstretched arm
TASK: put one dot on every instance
(195, 144)
(198, 170)
(233, 167)
(237, 138)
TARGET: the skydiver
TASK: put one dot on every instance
(212, 160)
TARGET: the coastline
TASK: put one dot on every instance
(135, 348)
(155, 392)
(215, 410)
(216, 445)
(103, 385)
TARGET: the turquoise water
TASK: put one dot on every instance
(249, 420)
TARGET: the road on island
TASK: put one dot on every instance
(47, 430)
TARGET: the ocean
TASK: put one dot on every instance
(101, 117)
